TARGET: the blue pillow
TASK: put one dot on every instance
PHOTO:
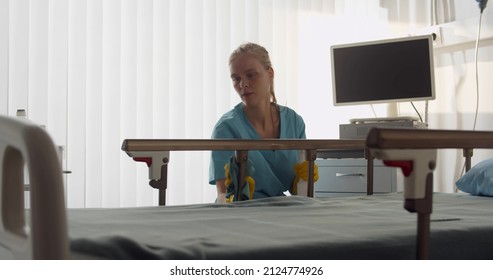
(478, 180)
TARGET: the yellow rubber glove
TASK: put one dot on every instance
(228, 174)
(251, 185)
(301, 171)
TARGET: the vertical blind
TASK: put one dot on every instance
(96, 72)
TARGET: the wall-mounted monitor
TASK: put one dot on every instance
(383, 71)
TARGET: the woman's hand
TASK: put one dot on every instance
(221, 198)
(221, 191)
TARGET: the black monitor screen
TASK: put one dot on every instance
(383, 71)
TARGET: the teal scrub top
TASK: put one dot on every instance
(274, 170)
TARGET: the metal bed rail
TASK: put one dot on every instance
(155, 152)
(414, 150)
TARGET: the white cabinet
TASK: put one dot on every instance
(342, 177)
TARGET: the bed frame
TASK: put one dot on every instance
(45, 236)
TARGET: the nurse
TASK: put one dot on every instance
(257, 116)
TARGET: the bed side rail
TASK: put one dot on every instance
(23, 142)
(155, 152)
(392, 138)
(467, 140)
(414, 151)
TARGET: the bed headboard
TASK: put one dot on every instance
(23, 143)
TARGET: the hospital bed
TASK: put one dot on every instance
(290, 227)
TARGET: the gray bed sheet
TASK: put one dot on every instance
(362, 227)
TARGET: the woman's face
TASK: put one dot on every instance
(251, 80)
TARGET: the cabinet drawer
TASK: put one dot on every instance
(350, 176)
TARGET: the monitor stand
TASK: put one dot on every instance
(359, 128)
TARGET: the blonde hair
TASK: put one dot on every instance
(261, 54)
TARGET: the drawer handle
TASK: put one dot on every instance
(350, 174)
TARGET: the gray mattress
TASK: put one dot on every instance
(363, 227)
